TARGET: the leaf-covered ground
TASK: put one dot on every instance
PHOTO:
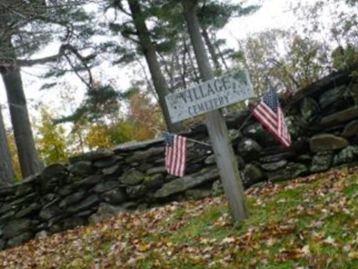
(307, 223)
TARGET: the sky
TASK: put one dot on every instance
(272, 14)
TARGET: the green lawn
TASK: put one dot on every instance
(306, 223)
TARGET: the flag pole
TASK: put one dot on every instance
(199, 142)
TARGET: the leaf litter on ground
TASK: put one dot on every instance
(309, 222)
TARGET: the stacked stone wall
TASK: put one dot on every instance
(323, 121)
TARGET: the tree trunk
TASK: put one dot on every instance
(217, 129)
(7, 174)
(150, 54)
(222, 58)
(28, 158)
(211, 48)
(195, 74)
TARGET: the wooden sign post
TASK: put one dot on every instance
(218, 131)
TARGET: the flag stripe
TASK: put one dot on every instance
(175, 156)
(261, 113)
(269, 113)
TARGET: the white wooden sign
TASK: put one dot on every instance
(209, 96)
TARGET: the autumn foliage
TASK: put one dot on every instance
(306, 223)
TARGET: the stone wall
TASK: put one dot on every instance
(323, 121)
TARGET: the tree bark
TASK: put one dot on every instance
(7, 174)
(150, 54)
(217, 129)
(211, 48)
(28, 158)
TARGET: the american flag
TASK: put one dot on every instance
(175, 154)
(269, 113)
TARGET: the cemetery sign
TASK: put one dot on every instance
(209, 96)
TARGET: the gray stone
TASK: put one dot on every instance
(49, 212)
(49, 197)
(106, 186)
(187, 182)
(41, 235)
(142, 206)
(19, 239)
(114, 197)
(139, 156)
(54, 171)
(240, 162)
(105, 211)
(137, 191)
(16, 227)
(322, 161)
(7, 207)
(65, 190)
(129, 205)
(88, 181)
(305, 158)
(23, 199)
(51, 203)
(210, 159)
(81, 168)
(111, 170)
(85, 213)
(90, 201)
(351, 129)
(92, 156)
(309, 109)
(234, 134)
(257, 133)
(217, 188)
(249, 149)
(2, 244)
(7, 216)
(333, 96)
(55, 228)
(134, 145)
(347, 155)
(340, 117)
(154, 181)
(72, 198)
(354, 92)
(274, 165)
(132, 177)
(197, 194)
(107, 162)
(291, 171)
(156, 170)
(52, 177)
(144, 167)
(294, 125)
(6, 190)
(252, 174)
(23, 189)
(159, 161)
(72, 222)
(28, 210)
(276, 157)
(327, 142)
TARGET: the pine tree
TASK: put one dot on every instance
(135, 29)
(25, 27)
(7, 174)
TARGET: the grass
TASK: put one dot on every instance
(306, 223)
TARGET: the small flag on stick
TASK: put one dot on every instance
(269, 113)
(175, 154)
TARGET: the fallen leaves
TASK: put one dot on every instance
(306, 223)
